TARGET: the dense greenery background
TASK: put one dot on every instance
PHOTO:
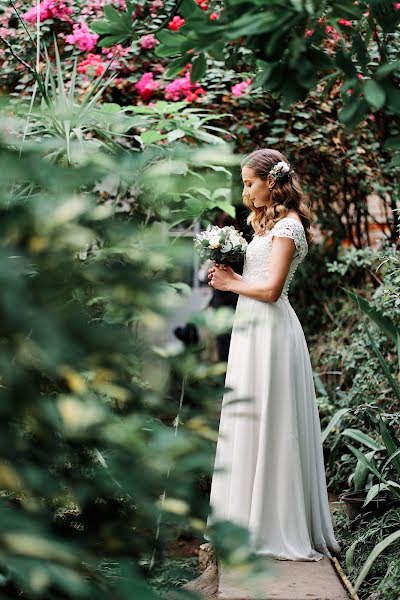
(122, 122)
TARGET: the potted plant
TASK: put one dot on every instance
(376, 477)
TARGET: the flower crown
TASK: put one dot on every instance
(280, 170)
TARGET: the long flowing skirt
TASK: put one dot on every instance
(269, 470)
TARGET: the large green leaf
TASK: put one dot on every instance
(384, 323)
(393, 383)
(374, 94)
(198, 68)
(363, 438)
(353, 112)
(333, 422)
(344, 62)
(374, 491)
(392, 447)
(361, 472)
(369, 463)
(175, 66)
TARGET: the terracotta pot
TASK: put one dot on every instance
(378, 506)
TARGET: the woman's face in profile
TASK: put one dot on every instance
(255, 188)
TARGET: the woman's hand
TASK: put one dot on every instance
(221, 277)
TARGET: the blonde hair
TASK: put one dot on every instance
(286, 194)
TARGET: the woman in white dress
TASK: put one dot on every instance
(269, 471)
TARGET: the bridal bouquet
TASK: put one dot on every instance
(223, 244)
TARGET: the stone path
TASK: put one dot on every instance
(285, 580)
(281, 580)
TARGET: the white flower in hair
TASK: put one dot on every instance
(279, 170)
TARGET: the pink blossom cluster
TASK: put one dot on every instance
(238, 89)
(110, 51)
(332, 32)
(328, 29)
(203, 4)
(396, 5)
(345, 23)
(182, 88)
(49, 9)
(148, 42)
(176, 23)
(94, 8)
(92, 62)
(82, 37)
(147, 85)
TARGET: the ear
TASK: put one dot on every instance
(270, 182)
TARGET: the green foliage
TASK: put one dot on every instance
(358, 539)
(116, 25)
(93, 473)
(286, 57)
(91, 358)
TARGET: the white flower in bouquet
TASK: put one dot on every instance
(222, 244)
(214, 242)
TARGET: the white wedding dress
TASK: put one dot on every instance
(269, 470)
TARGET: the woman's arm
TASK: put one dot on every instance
(282, 252)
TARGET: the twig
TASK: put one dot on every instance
(19, 59)
(170, 16)
(344, 579)
(330, 315)
(24, 24)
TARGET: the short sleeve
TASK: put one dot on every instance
(291, 228)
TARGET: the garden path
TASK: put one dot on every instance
(282, 580)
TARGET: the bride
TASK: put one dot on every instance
(269, 471)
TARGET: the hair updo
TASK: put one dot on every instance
(286, 195)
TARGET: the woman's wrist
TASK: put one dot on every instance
(236, 279)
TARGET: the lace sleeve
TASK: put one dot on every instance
(291, 228)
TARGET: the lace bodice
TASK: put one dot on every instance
(256, 264)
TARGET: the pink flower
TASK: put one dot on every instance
(332, 31)
(372, 117)
(203, 4)
(182, 88)
(146, 86)
(309, 32)
(92, 62)
(214, 16)
(345, 23)
(111, 50)
(82, 37)
(156, 4)
(149, 41)
(237, 90)
(49, 9)
(360, 77)
(396, 5)
(176, 23)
